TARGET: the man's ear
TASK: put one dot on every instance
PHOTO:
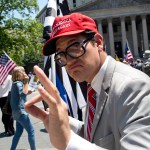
(99, 40)
(100, 48)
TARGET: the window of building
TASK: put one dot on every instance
(104, 29)
(115, 28)
(126, 25)
(74, 3)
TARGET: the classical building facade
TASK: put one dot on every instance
(118, 21)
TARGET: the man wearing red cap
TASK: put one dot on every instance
(117, 115)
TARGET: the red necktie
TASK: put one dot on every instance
(91, 110)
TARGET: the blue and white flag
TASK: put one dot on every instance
(54, 9)
(73, 93)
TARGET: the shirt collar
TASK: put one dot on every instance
(97, 81)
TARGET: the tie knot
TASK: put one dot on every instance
(90, 90)
(91, 93)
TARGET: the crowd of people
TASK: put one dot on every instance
(117, 113)
(139, 64)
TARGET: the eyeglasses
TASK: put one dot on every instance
(75, 50)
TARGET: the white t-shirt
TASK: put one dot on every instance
(6, 87)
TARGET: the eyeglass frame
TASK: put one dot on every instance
(90, 36)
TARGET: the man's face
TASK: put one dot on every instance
(85, 67)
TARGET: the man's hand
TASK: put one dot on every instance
(56, 120)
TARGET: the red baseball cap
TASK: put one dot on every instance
(68, 25)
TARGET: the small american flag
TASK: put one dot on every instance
(6, 66)
(128, 53)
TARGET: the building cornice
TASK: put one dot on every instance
(83, 5)
(118, 12)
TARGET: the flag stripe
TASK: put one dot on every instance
(6, 66)
(128, 53)
(70, 93)
(51, 13)
(48, 21)
(61, 89)
(7, 70)
(63, 7)
(52, 4)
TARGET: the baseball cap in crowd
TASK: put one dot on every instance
(68, 25)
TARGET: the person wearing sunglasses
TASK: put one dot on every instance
(117, 115)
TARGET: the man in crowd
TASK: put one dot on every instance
(7, 119)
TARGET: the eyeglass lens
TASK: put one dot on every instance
(75, 50)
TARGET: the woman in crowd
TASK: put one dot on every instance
(19, 92)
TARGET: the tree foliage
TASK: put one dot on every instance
(20, 36)
(25, 8)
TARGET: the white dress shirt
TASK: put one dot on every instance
(5, 87)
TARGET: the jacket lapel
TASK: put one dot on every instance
(103, 94)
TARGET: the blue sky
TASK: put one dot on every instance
(42, 3)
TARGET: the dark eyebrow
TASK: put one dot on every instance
(71, 41)
(68, 43)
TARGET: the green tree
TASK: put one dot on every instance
(20, 37)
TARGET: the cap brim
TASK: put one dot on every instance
(49, 47)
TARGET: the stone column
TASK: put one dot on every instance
(111, 37)
(134, 36)
(145, 35)
(123, 32)
(100, 29)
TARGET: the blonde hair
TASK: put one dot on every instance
(17, 73)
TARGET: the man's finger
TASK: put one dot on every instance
(33, 100)
(36, 112)
(48, 85)
(47, 97)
